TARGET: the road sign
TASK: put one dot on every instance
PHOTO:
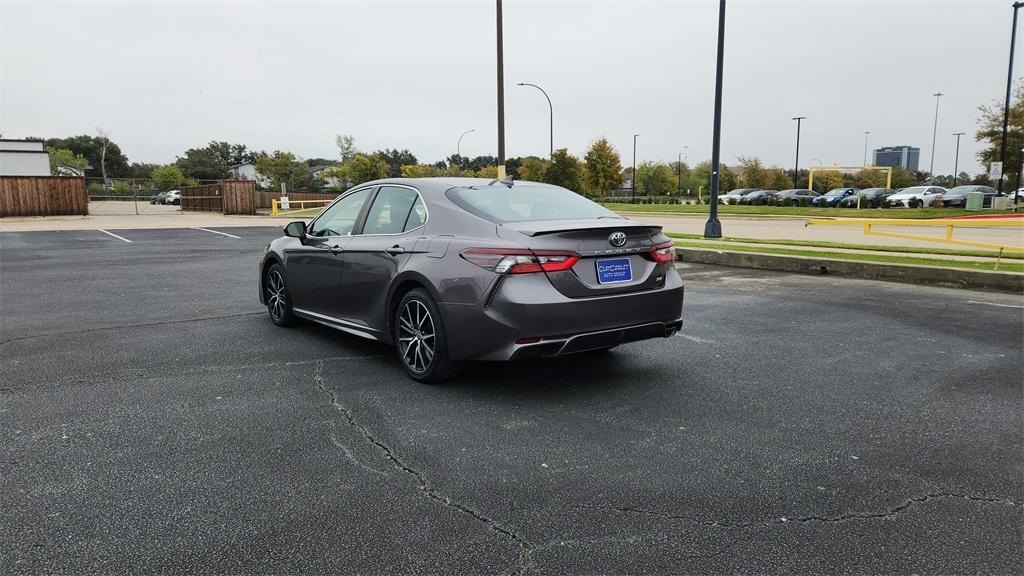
(995, 170)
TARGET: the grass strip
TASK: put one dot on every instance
(797, 211)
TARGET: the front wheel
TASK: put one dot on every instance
(279, 302)
(421, 340)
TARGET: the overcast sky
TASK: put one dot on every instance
(161, 77)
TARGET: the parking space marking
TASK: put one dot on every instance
(994, 304)
(216, 232)
(114, 235)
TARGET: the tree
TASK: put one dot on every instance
(565, 170)
(532, 168)
(421, 171)
(700, 179)
(64, 162)
(347, 146)
(754, 174)
(655, 179)
(902, 178)
(604, 170)
(990, 132)
(360, 168)
(168, 177)
(203, 164)
(825, 181)
(104, 144)
(231, 154)
(282, 167)
(395, 159)
(781, 180)
(90, 148)
(141, 170)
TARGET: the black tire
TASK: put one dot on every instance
(417, 324)
(279, 301)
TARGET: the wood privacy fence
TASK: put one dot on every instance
(264, 197)
(42, 196)
(229, 197)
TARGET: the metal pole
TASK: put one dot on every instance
(713, 228)
(501, 98)
(1016, 192)
(551, 112)
(796, 167)
(866, 133)
(935, 128)
(633, 179)
(458, 147)
(956, 158)
(1009, 87)
(679, 175)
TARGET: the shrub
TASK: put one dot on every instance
(914, 203)
(885, 203)
(95, 189)
(936, 202)
(804, 201)
(122, 189)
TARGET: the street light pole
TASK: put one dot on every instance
(501, 98)
(713, 228)
(679, 175)
(458, 147)
(551, 112)
(866, 134)
(632, 193)
(1006, 105)
(956, 158)
(796, 167)
(935, 128)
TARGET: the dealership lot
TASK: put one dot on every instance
(153, 418)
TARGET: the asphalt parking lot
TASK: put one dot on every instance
(154, 419)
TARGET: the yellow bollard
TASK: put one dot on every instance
(273, 206)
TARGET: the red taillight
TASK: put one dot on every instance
(517, 261)
(664, 252)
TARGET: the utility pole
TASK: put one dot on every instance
(1006, 105)
(501, 99)
(935, 128)
(796, 167)
(713, 228)
(866, 134)
(956, 158)
(632, 193)
(679, 175)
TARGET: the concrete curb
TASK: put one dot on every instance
(1010, 282)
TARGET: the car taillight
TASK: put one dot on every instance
(517, 261)
(664, 252)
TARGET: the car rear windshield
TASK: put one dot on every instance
(526, 202)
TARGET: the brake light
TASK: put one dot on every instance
(664, 252)
(518, 261)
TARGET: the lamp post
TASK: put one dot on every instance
(796, 166)
(679, 175)
(551, 113)
(956, 158)
(935, 128)
(713, 228)
(1016, 191)
(632, 193)
(458, 147)
(501, 97)
(1006, 105)
(866, 134)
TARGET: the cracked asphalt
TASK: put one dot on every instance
(153, 419)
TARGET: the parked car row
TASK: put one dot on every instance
(913, 196)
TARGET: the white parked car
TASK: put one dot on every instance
(926, 194)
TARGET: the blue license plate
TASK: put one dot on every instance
(614, 270)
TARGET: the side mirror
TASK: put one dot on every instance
(295, 229)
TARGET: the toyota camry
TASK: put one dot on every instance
(457, 269)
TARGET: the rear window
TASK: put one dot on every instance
(528, 202)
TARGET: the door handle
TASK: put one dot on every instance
(336, 249)
(395, 250)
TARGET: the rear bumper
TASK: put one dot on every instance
(528, 306)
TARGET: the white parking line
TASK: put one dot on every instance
(216, 232)
(114, 235)
(994, 304)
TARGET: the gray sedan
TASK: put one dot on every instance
(456, 269)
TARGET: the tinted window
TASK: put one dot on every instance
(526, 202)
(340, 217)
(390, 210)
(417, 216)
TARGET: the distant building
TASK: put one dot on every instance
(248, 172)
(905, 157)
(23, 158)
(320, 172)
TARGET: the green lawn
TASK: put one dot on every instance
(851, 246)
(797, 211)
(883, 258)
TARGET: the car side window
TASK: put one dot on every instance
(390, 210)
(340, 218)
(417, 216)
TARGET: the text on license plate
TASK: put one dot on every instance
(614, 270)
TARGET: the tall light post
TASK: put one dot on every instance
(713, 228)
(796, 166)
(501, 98)
(458, 147)
(956, 157)
(632, 193)
(866, 134)
(1006, 105)
(551, 112)
(935, 129)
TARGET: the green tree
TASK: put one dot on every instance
(346, 146)
(532, 168)
(422, 171)
(990, 134)
(360, 168)
(168, 177)
(64, 162)
(700, 179)
(282, 167)
(902, 178)
(232, 154)
(91, 148)
(753, 174)
(781, 180)
(565, 170)
(141, 170)
(203, 164)
(655, 179)
(604, 169)
(395, 159)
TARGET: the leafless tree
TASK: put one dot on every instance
(105, 139)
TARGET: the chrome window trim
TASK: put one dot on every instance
(331, 205)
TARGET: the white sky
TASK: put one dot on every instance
(161, 77)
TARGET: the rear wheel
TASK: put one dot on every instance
(421, 340)
(279, 303)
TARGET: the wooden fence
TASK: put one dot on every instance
(42, 196)
(263, 197)
(229, 197)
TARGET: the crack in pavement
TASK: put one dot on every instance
(423, 484)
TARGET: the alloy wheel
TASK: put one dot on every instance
(416, 336)
(275, 294)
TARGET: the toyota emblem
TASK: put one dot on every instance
(617, 239)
